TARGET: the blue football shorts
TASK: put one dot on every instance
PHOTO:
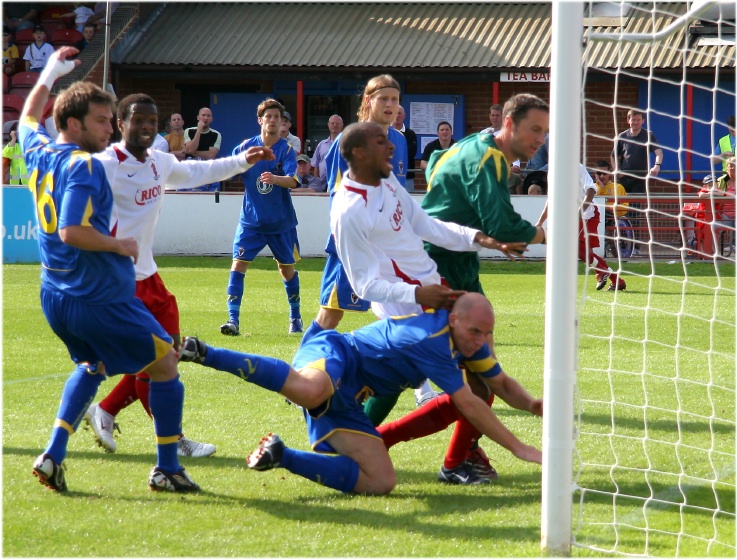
(248, 243)
(124, 336)
(329, 351)
(336, 291)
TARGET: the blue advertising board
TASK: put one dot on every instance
(19, 228)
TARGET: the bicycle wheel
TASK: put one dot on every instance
(624, 241)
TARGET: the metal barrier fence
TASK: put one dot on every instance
(658, 228)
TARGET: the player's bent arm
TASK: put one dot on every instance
(483, 418)
(88, 238)
(512, 393)
(208, 154)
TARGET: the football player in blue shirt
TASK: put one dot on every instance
(87, 275)
(267, 217)
(332, 373)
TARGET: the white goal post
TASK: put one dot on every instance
(639, 446)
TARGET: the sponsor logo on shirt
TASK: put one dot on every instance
(148, 196)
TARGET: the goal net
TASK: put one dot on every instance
(653, 452)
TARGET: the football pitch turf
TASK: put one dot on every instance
(110, 512)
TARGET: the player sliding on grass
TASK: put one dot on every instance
(332, 373)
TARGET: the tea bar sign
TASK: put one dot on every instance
(525, 77)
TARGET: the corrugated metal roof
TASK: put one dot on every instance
(408, 36)
(350, 35)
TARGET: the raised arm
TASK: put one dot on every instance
(56, 67)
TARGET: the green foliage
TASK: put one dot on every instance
(110, 512)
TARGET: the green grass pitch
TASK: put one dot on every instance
(109, 511)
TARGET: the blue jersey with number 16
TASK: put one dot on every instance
(71, 188)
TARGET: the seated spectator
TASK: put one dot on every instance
(535, 190)
(88, 33)
(445, 140)
(284, 132)
(37, 54)
(696, 211)
(18, 174)
(305, 178)
(606, 186)
(539, 161)
(723, 194)
(10, 53)
(514, 184)
(81, 14)
(100, 11)
(20, 15)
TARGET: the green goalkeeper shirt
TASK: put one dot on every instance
(467, 185)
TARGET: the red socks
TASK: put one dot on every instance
(430, 418)
(128, 390)
(464, 436)
(122, 395)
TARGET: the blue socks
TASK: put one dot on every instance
(269, 373)
(292, 288)
(78, 394)
(235, 294)
(334, 471)
(167, 402)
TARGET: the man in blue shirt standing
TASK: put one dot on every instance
(267, 217)
(87, 275)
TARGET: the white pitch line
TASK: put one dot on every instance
(34, 379)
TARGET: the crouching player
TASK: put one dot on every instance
(332, 373)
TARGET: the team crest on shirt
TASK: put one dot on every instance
(264, 188)
(396, 218)
(155, 172)
(401, 167)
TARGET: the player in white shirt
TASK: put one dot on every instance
(142, 175)
(379, 230)
(588, 236)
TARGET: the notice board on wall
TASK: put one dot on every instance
(424, 112)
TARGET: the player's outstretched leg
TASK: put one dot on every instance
(269, 373)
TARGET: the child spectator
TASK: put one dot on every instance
(87, 34)
(10, 53)
(18, 173)
(535, 190)
(38, 52)
(81, 14)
